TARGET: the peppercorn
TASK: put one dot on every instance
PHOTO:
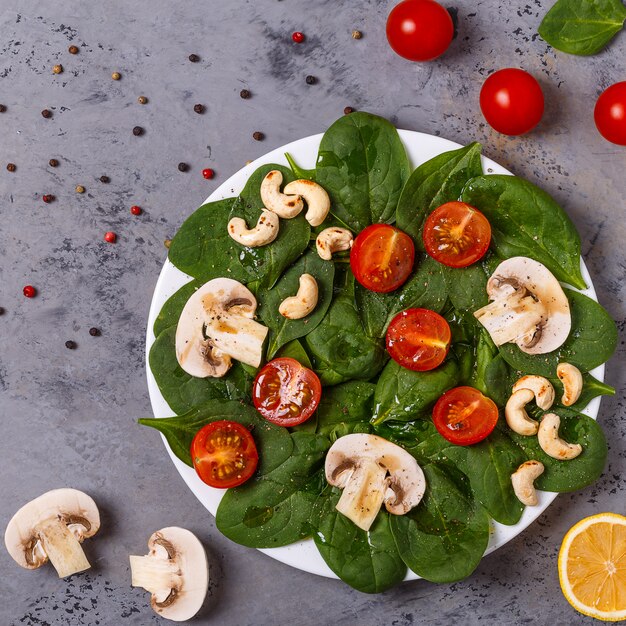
(258, 136)
(245, 94)
(48, 198)
(94, 332)
(167, 243)
(70, 345)
(137, 131)
(2, 311)
(57, 69)
(29, 291)
(142, 100)
(2, 108)
(348, 110)
(11, 167)
(53, 163)
(310, 80)
(135, 210)
(116, 76)
(79, 189)
(198, 108)
(357, 34)
(194, 58)
(47, 113)
(183, 167)
(73, 49)
(105, 179)
(110, 237)
(208, 173)
(298, 37)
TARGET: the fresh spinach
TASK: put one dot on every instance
(363, 166)
(467, 287)
(295, 350)
(298, 171)
(173, 307)
(582, 27)
(345, 409)
(592, 388)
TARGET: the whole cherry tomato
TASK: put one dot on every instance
(610, 114)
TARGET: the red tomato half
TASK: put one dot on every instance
(285, 392)
(418, 339)
(464, 416)
(224, 454)
(610, 114)
(512, 101)
(456, 234)
(419, 30)
(382, 257)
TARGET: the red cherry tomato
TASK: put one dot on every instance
(512, 101)
(285, 392)
(224, 454)
(382, 257)
(456, 234)
(610, 114)
(418, 339)
(464, 416)
(419, 30)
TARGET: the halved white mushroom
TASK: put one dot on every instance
(528, 308)
(551, 443)
(265, 231)
(540, 386)
(285, 206)
(572, 380)
(523, 480)
(372, 470)
(52, 527)
(304, 302)
(216, 325)
(333, 239)
(175, 572)
(317, 200)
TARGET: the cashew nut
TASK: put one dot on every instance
(316, 199)
(540, 386)
(299, 306)
(550, 441)
(516, 416)
(523, 482)
(333, 239)
(285, 206)
(572, 381)
(265, 231)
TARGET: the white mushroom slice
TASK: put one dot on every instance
(540, 386)
(515, 413)
(523, 480)
(216, 325)
(528, 308)
(299, 306)
(52, 527)
(371, 470)
(285, 206)
(551, 443)
(265, 231)
(572, 381)
(175, 572)
(317, 200)
(333, 239)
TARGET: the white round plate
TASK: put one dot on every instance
(303, 554)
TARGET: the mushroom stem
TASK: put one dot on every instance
(62, 547)
(238, 336)
(156, 575)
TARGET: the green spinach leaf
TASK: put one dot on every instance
(295, 350)
(345, 409)
(298, 171)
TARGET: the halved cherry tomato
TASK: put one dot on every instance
(382, 257)
(285, 392)
(418, 339)
(224, 454)
(464, 416)
(456, 234)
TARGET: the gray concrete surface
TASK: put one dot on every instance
(68, 416)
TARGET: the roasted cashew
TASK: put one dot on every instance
(265, 231)
(540, 386)
(285, 206)
(316, 198)
(523, 482)
(550, 441)
(333, 239)
(299, 306)
(572, 381)
(516, 416)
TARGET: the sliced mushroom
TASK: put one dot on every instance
(285, 206)
(175, 572)
(333, 239)
(528, 308)
(317, 200)
(52, 527)
(572, 381)
(265, 231)
(540, 386)
(371, 470)
(515, 413)
(216, 325)
(523, 480)
(299, 306)
(551, 443)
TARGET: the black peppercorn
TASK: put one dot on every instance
(198, 108)
(53, 163)
(2, 108)
(94, 332)
(70, 345)
(11, 167)
(105, 179)
(47, 113)
(245, 94)
(2, 311)
(194, 58)
(183, 167)
(258, 136)
(348, 110)
(137, 131)
(73, 50)
(311, 80)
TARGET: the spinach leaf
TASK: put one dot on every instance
(526, 221)
(363, 166)
(274, 508)
(282, 329)
(367, 561)
(173, 307)
(299, 171)
(591, 341)
(592, 388)
(432, 184)
(577, 473)
(274, 442)
(182, 391)
(582, 27)
(446, 535)
(467, 286)
(402, 394)
(345, 409)
(295, 350)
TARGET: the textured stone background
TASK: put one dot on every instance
(68, 417)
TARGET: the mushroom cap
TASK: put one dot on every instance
(75, 508)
